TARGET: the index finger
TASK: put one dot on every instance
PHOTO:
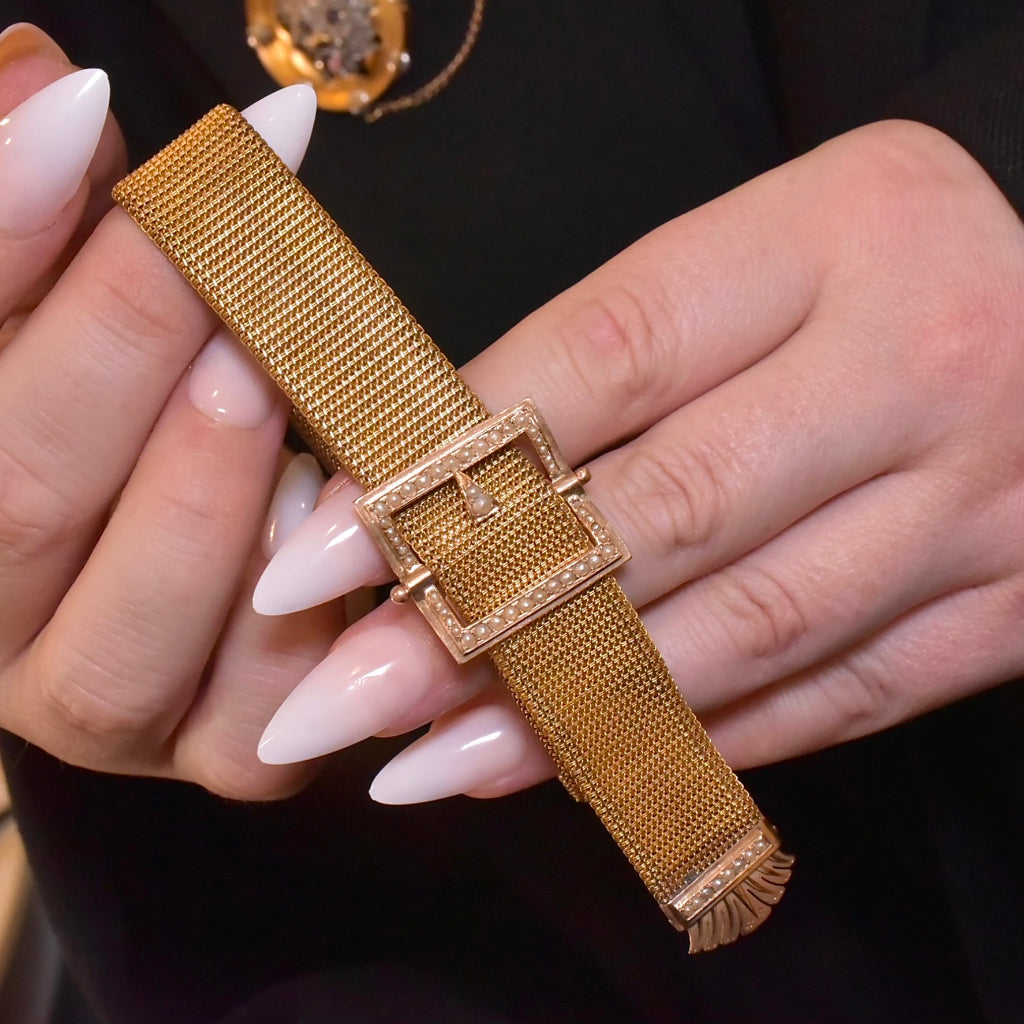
(689, 305)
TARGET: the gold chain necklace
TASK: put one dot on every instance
(350, 51)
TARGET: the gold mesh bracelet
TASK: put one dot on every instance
(486, 527)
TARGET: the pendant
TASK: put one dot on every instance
(350, 51)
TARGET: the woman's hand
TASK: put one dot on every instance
(801, 407)
(133, 485)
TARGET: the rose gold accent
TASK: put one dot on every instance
(735, 895)
(567, 483)
(466, 640)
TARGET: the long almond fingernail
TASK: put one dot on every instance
(46, 145)
(470, 750)
(329, 555)
(293, 501)
(357, 690)
(285, 120)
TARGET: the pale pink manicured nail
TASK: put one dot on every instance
(285, 120)
(378, 675)
(356, 690)
(469, 750)
(293, 501)
(46, 145)
(329, 555)
(228, 385)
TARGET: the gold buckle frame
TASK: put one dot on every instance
(464, 639)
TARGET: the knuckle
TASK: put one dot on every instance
(763, 616)
(33, 516)
(194, 512)
(897, 162)
(678, 495)
(863, 698)
(92, 709)
(611, 344)
(128, 301)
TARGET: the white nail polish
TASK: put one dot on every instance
(293, 501)
(360, 687)
(329, 555)
(285, 120)
(46, 145)
(469, 750)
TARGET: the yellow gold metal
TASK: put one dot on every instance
(289, 64)
(372, 393)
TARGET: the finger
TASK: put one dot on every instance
(257, 662)
(702, 487)
(109, 678)
(688, 306)
(709, 482)
(735, 467)
(793, 602)
(817, 589)
(256, 665)
(943, 651)
(114, 336)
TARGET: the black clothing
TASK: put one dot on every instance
(573, 129)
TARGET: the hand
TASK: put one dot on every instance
(133, 486)
(816, 458)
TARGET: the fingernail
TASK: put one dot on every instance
(46, 145)
(229, 386)
(357, 690)
(329, 555)
(337, 482)
(285, 120)
(25, 40)
(293, 501)
(470, 750)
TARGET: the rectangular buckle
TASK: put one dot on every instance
(519, 424)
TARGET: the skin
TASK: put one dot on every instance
(817, 460)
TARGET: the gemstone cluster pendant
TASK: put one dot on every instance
(350, 51)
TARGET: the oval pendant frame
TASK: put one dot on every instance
(288, 64)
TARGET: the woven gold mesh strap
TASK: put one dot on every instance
(373, 394)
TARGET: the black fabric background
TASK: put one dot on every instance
(573, 129)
